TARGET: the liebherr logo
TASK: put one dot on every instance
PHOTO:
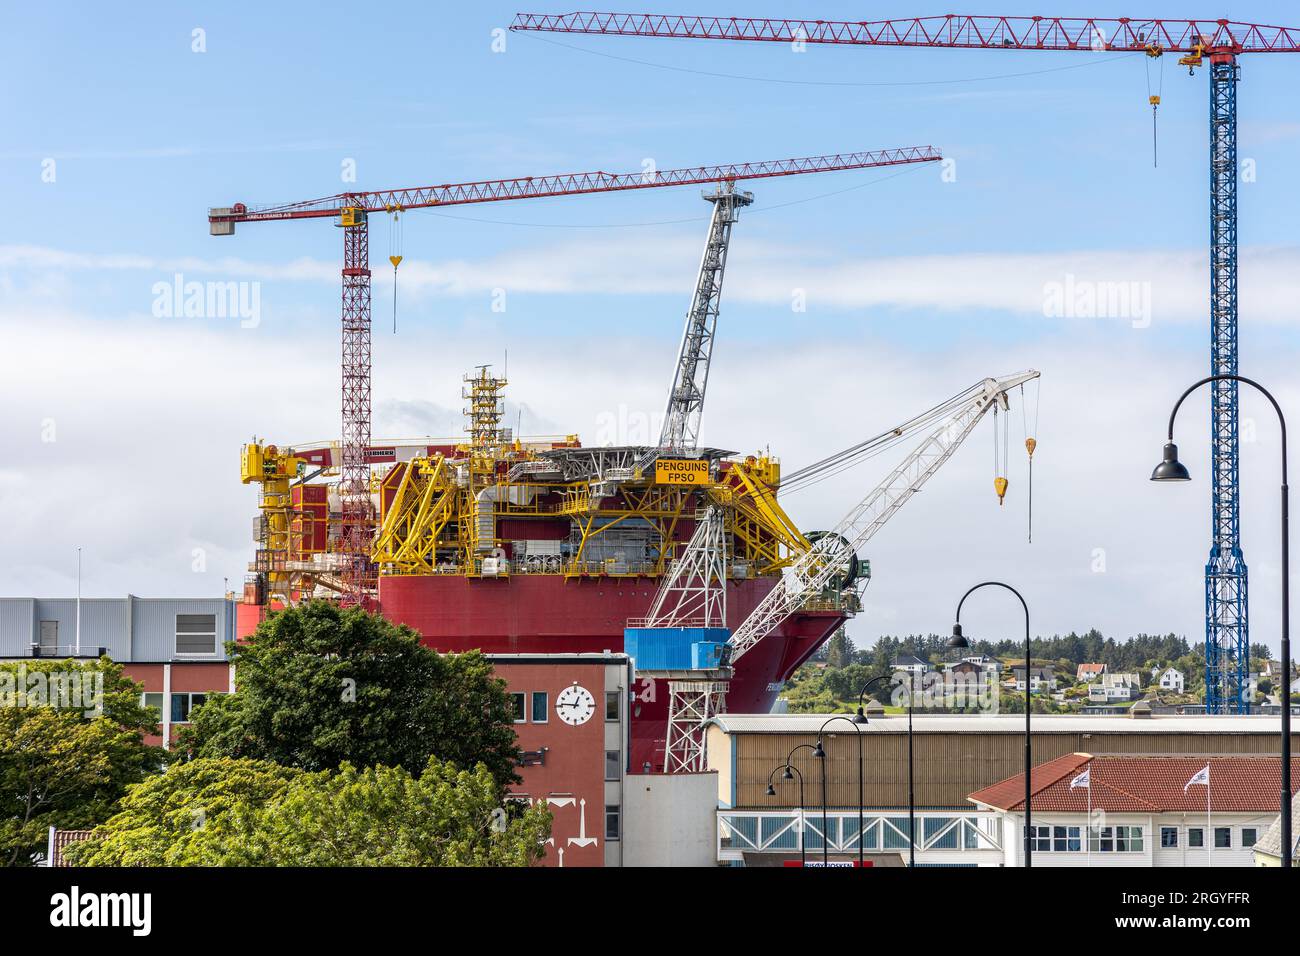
(74, 908)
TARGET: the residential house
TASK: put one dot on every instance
(1143, 812)
(913, 666)
(1089, 672)
(1114, 689)
(1170, 679)
(1040, 678)
(1268, 851)
(985, 662)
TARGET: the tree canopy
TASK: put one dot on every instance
(240, 812)
(65, 760)
(317, 686)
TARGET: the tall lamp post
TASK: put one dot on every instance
(861, 718)
(820, 753)
(958, 641)
(1171, 469)
(771, 792)
(790, 772)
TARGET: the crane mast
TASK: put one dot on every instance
(681, 428)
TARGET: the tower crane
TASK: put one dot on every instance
(350, 212)
(1222, 42)
(690, 608)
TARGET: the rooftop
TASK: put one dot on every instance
(1143, 784)
(1006, 723)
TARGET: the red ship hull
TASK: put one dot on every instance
(540, 614)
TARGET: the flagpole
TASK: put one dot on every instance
(1087, 830)
(1209, 830)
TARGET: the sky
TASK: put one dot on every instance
(852, 300)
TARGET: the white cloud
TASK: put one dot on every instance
(765, 273)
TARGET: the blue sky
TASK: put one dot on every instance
(915, 286)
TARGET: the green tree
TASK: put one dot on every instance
(233, 812)
(317, 686)
(839, 650)
(65, 763)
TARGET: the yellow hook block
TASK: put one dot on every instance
(395, 260)
(1000, 486)
(1030, 445)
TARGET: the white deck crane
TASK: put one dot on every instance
(688, 599)
(681, 429)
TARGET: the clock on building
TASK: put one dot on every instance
(575, 705)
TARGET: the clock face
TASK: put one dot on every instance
(575, 705)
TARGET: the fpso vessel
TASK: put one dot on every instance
(537, 546)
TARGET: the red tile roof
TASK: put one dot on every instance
(1128, 784)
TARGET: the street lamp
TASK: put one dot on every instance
(771, 792)
(790, 773)
(958, 641)
(1171, 469)
(819, 753)
(861, 718)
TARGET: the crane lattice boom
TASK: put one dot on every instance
(970, 32)
(829, 558)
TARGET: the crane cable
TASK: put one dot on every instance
(1030, 444)
(1155, 53)
(395, 251)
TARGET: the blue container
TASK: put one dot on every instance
(674, 648)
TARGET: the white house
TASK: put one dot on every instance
(1171, 679)
(1040, 679)
(910, 665)
(1114, 688)
(1089, 672)
(1143, 812)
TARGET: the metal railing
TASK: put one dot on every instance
(779, 831)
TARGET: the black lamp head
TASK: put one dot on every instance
(818, 751)
(789, 774)
(958, 640)
(1171, 469)
(771, 790)
(860, 717)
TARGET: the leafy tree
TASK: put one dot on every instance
(234, 812)
(839, 649)
(317, 686)
(64, 762)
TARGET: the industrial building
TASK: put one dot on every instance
(953, 757)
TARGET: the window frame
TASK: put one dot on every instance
(615, 813)
(188, 710)
(545, 698)
(616, 756)
(614, 697)
(1254, 837)
(1165, 831)
(1225, 832)
(520, 699)
(1196, 838)
(177, 634)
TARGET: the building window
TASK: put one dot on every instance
(49, 638)
(613, 765)
(517, 705)
(612, 704)
(1169, 838)
(155, 701)
(183, 704)
(1040, 838)
(1248, 836)
(196, 634)
(1066, 840)
(611, 823)
(1128, 839)
(1223, 837)
(541, 707)
(1195, 837)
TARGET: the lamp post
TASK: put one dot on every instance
(820, 754)
(771, 792)
(958, 641)
(861, 718)
(790, 772)
(1171, 469)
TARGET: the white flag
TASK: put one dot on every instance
(1202, 777)
(1083, 780)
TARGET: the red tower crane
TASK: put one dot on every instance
(351, 210)
(1227, 639)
